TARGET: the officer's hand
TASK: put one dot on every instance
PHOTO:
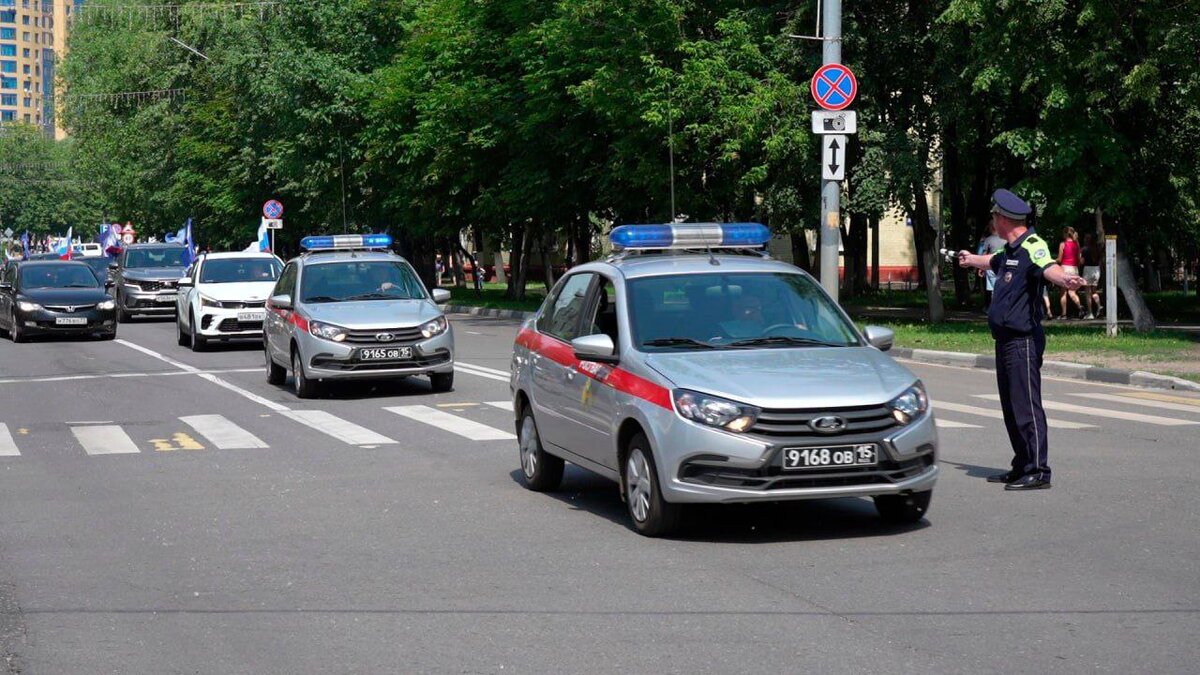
(964, 258)
(1074, 283)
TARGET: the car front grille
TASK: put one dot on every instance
(407, 335)
(67, 309)
(230, 304)
(358, 367)
(232, 325)
(152, 286)
(794, 424)
(773, 477)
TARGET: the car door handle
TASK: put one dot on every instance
(570, 375)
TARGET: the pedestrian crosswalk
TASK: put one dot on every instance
(489, 424)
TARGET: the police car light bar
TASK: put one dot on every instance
(690, 235)
(345, 241)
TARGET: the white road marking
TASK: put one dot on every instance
(222, 433)
(155, 355)
(503, 405)
(1148, 402)
(104, 376)
(105, 440)
(453, 423)
(949, 424)
(484, 369)
(336, 427)
(995, 413)
(8, 447)
(1106, 412)
(470, 370)
(277, 407)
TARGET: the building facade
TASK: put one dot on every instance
(33, 37)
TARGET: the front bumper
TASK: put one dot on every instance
(222, 323)
(710, 466)
(148, 302)
(45, 322)
(327, 360)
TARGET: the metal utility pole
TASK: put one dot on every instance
(831, 195)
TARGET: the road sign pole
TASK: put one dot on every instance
(1110, 284)
(831, 217)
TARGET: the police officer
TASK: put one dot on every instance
(1023, 267)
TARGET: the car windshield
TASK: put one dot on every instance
(239, 270)
(357, 280)
(155, 257)
(99, 265)
(57, 276)
(734, 311)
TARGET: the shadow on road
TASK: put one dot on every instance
(767, 523)
(975, 470)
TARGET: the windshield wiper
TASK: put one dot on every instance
(80, 286)
(677, 342)
(783, 340)
(374, 296)
(321, 298)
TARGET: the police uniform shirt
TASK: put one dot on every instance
(1016, 308)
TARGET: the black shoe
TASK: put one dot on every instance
(1028, 483)
(1006, 477)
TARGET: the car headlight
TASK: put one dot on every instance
(28, 306)
(130, 286)
(714, 411)
(911, 404)
(327, 331)
(435, 327)
(107, 305)
(206, 301)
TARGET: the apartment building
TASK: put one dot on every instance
(33, 36)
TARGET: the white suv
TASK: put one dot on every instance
(223, 297)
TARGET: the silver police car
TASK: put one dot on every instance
(349, 309)
(691, 368)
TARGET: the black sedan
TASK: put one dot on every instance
(54, 297)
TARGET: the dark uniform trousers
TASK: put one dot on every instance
(1019, 376)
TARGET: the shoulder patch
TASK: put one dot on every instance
(1038, 252)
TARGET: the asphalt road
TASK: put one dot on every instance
(231, 528)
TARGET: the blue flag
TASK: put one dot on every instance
(189, 245)
(25, 246)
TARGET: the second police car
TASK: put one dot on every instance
(350, 309)
(690, 368)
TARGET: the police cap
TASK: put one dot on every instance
(1009, 205)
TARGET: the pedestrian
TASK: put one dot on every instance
(1092, 256)
(991, 243)
(1022, 267)
(1070, 260)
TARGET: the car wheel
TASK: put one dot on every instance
(181, 337)
(16, 333)
(652, 515)
(442, 382)
(903, 509)
(542, 471)
(198, 342)
(123, 315)
(305, 388)
(276, 374)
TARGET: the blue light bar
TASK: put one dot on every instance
(345, 241)
(690, 235)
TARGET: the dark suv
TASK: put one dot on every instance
(146, 278)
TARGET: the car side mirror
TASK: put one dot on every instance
(184, 282)
(109, 283)
(113, 266)
(5, 286)
(598, 347)
(281, 301)
(880, 338)
(441, 296)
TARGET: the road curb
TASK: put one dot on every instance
(1074, 371)
(489, 312)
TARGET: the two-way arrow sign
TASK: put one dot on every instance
(833, 158)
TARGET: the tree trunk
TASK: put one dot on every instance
(960, 233)
(1143, 320)
(856, 255)
(583, 241)
(926, 239)
(547, 247)
(515, 287)
(521, 270)
(800, 251)
(875, 252)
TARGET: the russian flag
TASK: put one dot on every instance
(64, 245)
(263, 245)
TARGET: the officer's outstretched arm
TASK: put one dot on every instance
(979, 262)
(1056, 275)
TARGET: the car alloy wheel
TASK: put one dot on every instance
(529, 443)
(541, 470)
(638, 486)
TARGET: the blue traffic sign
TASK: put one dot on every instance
(834, 86)
(273, 209)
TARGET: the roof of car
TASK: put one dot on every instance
(656, 264)
(226, 255)
(161, 244)
(319, 257)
